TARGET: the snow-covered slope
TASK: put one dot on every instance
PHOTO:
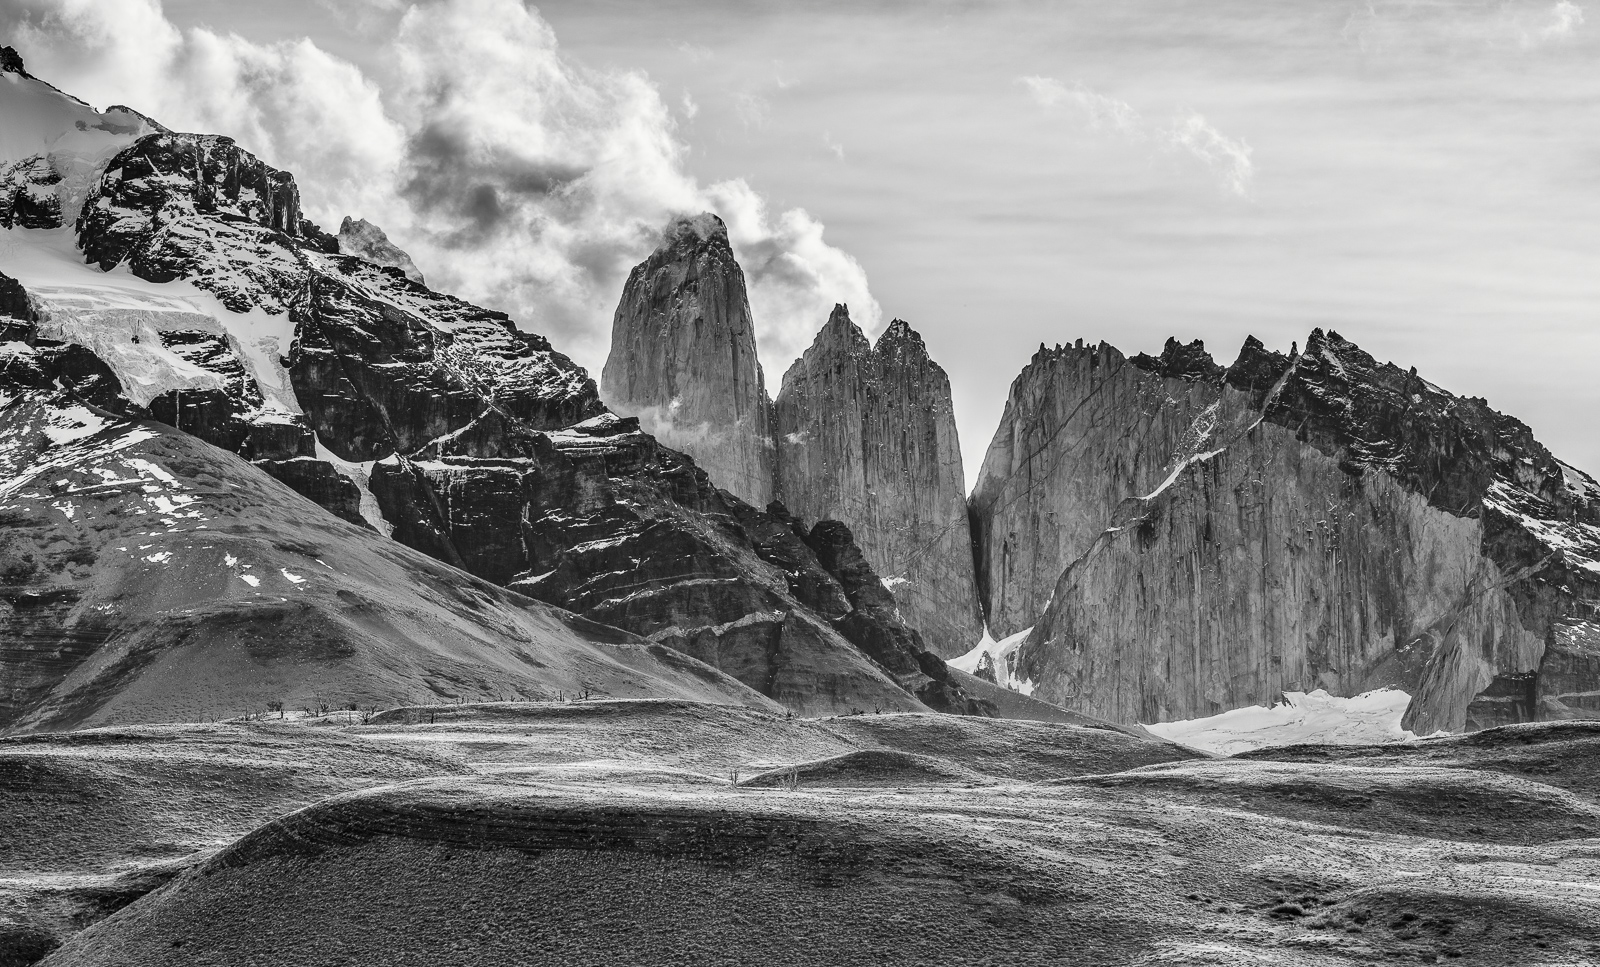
(1302, 718)
(123, 318)
(995, 661)
(52, 145)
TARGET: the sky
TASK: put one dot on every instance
(1419, 175)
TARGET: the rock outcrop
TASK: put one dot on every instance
(361, 238)
(683, 358)
(866, 435)
(1291, 522)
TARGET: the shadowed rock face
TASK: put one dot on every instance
(866, 435)
(28, 196)
(1312, 520)
(683, 358)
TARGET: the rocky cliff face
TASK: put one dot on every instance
(1081, 431)
(1291, 522)
(866, 435)
(683, 358)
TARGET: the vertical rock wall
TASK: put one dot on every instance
(1083, 430)
(867, 435)
(683, 358)
(1316, 520)
(1266, 568)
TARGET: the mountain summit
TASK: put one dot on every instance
(683, 358)
(867, 434)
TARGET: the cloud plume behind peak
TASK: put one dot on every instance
(513, 176)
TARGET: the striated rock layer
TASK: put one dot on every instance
(1291, 522)
(683, 358)
(866, 434)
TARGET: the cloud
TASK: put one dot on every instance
(753, 109)
(1188, 131)
(290, 103)
(694, 52)
(1102, 111)
(832, 145)
(511, 175)
(690, 108)
(1385, 26)
(1228, 156)
(1565, 19)
(795, 277)
(362, 16)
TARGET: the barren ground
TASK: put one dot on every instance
(614, 833)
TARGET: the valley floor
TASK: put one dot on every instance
(656, 832)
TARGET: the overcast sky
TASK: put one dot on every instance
(1419, 175)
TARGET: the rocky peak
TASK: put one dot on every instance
(841, 332)
(866, 435)
(683, 358)
(164, 201)
(901, 343)
(692, 241)
(361, 238)
(1257, 369)
(1180, 361)
(11, 62)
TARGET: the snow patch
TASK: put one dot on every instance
(71, 424)
(360, 474)
(1180, 468)
(1316, 718)
(1579, 482)
(120, 317)
(291, 577)
(251, 580)
(1004, 655)
(1578, 543)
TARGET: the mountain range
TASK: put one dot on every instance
(1181, 537)
(343, 620)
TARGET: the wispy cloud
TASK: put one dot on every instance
(833, 145)
(1102, 111)
(690, 108)
(1564, 20)
(752, 109)
(694, 52)
(1228, 156)
(1382, 26)
(1188, 131)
